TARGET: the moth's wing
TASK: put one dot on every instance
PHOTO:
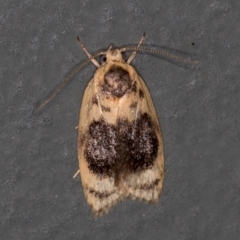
(100, 192)
(147, 184)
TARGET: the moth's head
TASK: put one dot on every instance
(112, 54)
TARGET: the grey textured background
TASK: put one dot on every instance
(198, 108)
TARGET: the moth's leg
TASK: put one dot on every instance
(78, 171)
(93, 60)
(133, 54)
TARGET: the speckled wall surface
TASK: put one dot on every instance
(198, 108)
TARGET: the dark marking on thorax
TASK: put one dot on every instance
(117, 82)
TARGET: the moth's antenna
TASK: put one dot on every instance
(94, 61)
(133, 54)
(64, 83)
(170, 55)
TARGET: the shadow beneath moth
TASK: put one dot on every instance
(120, 145)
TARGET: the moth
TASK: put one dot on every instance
(120, 144)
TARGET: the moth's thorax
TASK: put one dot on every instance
(114, 55)
(115, 79)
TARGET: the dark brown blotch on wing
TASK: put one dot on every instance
(100, 195)
(133, 105)
(149, 186)
(105, 109)
(100, 148)
(141, 95)
(125, 148)
(94, 99)
(134, 86)
(137, 144)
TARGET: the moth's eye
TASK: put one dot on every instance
(123, 56)
(103, 59)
